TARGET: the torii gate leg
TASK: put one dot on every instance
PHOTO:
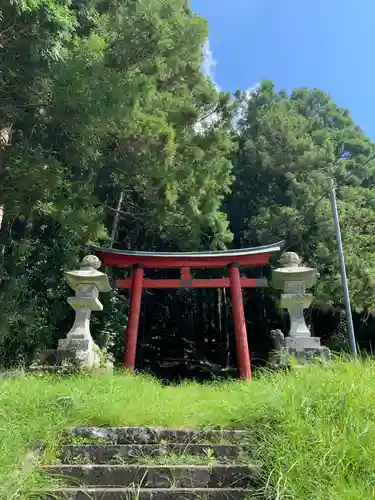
(133, 320)
(242, 346)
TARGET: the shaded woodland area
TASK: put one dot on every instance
(111, 133)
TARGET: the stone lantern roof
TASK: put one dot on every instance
(88, 274)
(292, 270)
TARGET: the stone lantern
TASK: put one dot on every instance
(87, 282)
(293, 279)
(78, 348)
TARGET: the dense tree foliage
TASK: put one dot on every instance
(106, 136)
(102, 102)
(289, 148)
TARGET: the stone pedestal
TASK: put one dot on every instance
(78, 348)
(293, 279)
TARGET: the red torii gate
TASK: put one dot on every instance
(185, 261)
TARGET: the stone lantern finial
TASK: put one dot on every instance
(91, 261)
(290, 259)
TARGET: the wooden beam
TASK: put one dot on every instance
(186, 279)
(180, 261)
(194, 283)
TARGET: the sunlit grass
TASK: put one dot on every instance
(314, 428)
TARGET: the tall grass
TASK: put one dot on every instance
(314, 429)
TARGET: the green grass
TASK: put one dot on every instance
(314, 428)
(170, 459)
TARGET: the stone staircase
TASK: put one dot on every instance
(154, 464)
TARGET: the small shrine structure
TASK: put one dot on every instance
(185, 261)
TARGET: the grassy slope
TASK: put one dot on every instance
(315, 427)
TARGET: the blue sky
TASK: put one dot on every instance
(326, 44)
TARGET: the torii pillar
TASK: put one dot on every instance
(133, 320)
(242, 346)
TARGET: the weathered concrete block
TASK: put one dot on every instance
(130, 453)
(158, 476)
(148, 435)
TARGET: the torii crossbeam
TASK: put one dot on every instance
(185, 261)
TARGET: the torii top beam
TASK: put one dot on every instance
(245, 257)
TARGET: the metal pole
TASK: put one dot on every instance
(344, 279)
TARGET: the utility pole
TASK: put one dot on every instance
(344, 279)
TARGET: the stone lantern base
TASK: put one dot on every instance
(68, 361)
(300, 349)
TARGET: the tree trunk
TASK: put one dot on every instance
(115, 220)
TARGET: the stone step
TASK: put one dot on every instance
(103, 454)
(150, 494)
(157, 476)
(147, 435)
